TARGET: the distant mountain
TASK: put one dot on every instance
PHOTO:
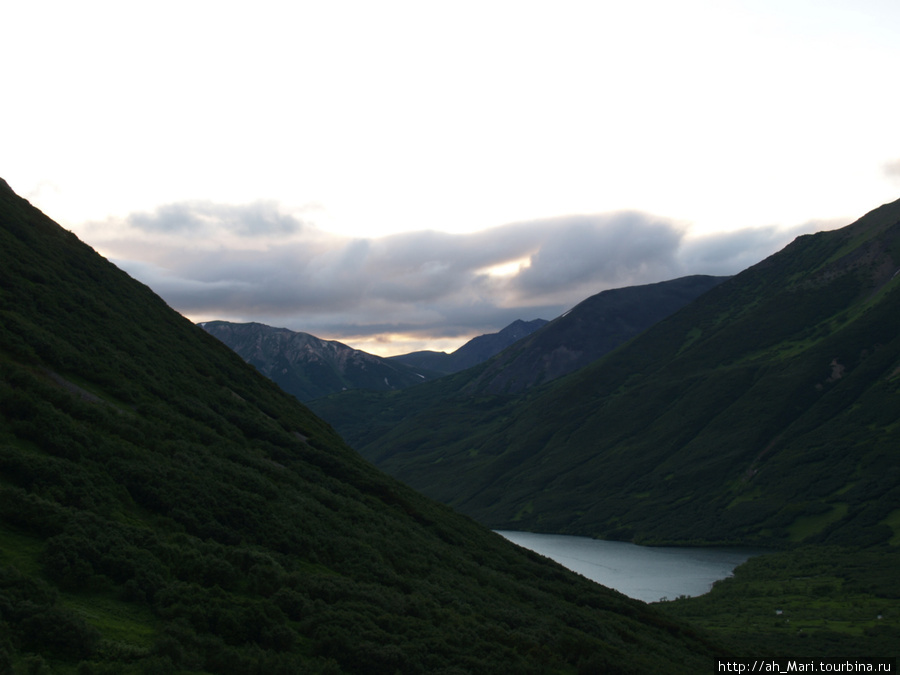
(475, 351)
(308, 367)
(165, 508)
(767, 411)
(586, 332)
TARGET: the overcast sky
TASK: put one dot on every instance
(405, 175)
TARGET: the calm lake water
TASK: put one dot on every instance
(646, 573)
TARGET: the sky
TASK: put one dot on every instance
(403, 175)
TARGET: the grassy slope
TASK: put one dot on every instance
(764, 413)
(163, 508)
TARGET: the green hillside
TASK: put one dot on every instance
(165, 508)
(767, 412)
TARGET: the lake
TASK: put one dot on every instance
(646, 573)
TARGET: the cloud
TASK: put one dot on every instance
(204, 218)
(619, 248)
(257, 263)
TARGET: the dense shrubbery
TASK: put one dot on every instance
(32, 620)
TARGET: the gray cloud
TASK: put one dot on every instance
(204, 218)
(285, 272)
(620, 248)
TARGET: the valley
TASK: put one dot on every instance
(164, 507)
(765, 413)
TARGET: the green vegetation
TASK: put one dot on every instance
(164, 508)
(808, 603)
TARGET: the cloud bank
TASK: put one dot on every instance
(257, 262)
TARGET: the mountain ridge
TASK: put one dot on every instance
(309, 367)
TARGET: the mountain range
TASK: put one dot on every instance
(765, 412)
(310, 368)
(166, 508)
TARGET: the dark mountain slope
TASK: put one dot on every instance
(764, 412)
(306, 366)
(583, 334)
(475, 351)
(166, 508)
(586, 332)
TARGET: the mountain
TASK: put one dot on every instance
(766, 412)
(528, 353)
(166, 508)
(475, 351)
(586, 332)
(581, 335)
(308, 367)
